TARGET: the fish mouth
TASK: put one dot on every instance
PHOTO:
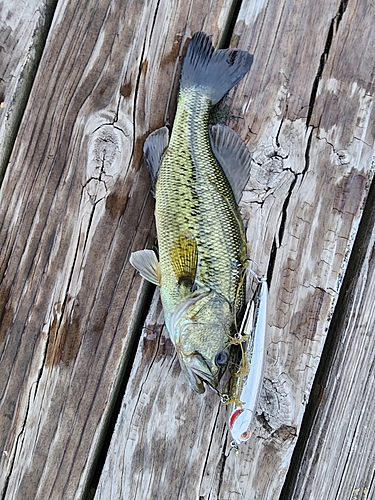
(197, 371)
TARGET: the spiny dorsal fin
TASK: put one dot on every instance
(184, 259)
(153, 151)
(147, 264)
(233, 156)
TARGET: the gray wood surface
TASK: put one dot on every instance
(23, 31)
(79, 327)
(337, 460)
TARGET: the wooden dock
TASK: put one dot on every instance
(92, 400)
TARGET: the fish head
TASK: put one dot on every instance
(199, 330)
(203, 355)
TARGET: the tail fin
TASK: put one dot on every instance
(216, 70)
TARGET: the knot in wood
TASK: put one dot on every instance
(105, 151)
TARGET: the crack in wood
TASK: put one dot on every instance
(95, 207)
(276, 243)
(337, 325)
(15, 447)
(228, 29)
(16, 103)
(58, 334)
(323, 58)
(122, 383)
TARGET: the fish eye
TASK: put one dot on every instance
(221, 358)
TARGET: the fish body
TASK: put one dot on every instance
(197, 177)
(249, 385)
(196, 213)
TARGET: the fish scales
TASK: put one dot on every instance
(194, 199)
(197, 178)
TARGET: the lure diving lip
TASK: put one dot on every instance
(254, 326)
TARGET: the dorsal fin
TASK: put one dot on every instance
(153, 152)
(233, 157)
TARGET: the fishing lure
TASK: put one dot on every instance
(249, 385)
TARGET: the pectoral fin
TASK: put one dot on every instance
(184, 258)
(147, 264)
(153, 151)
(233, 156)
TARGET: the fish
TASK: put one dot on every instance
(197, 177)
(249, 377)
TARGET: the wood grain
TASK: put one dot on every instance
(341, 417)
(23, 31)
(75, 202)
(303, 205)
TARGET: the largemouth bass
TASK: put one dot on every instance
(197, 177)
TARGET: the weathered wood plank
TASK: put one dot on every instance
(74, 203)
(65, 273)
(308, 119)
(343, 421)
(340, 414)
(23, 30)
